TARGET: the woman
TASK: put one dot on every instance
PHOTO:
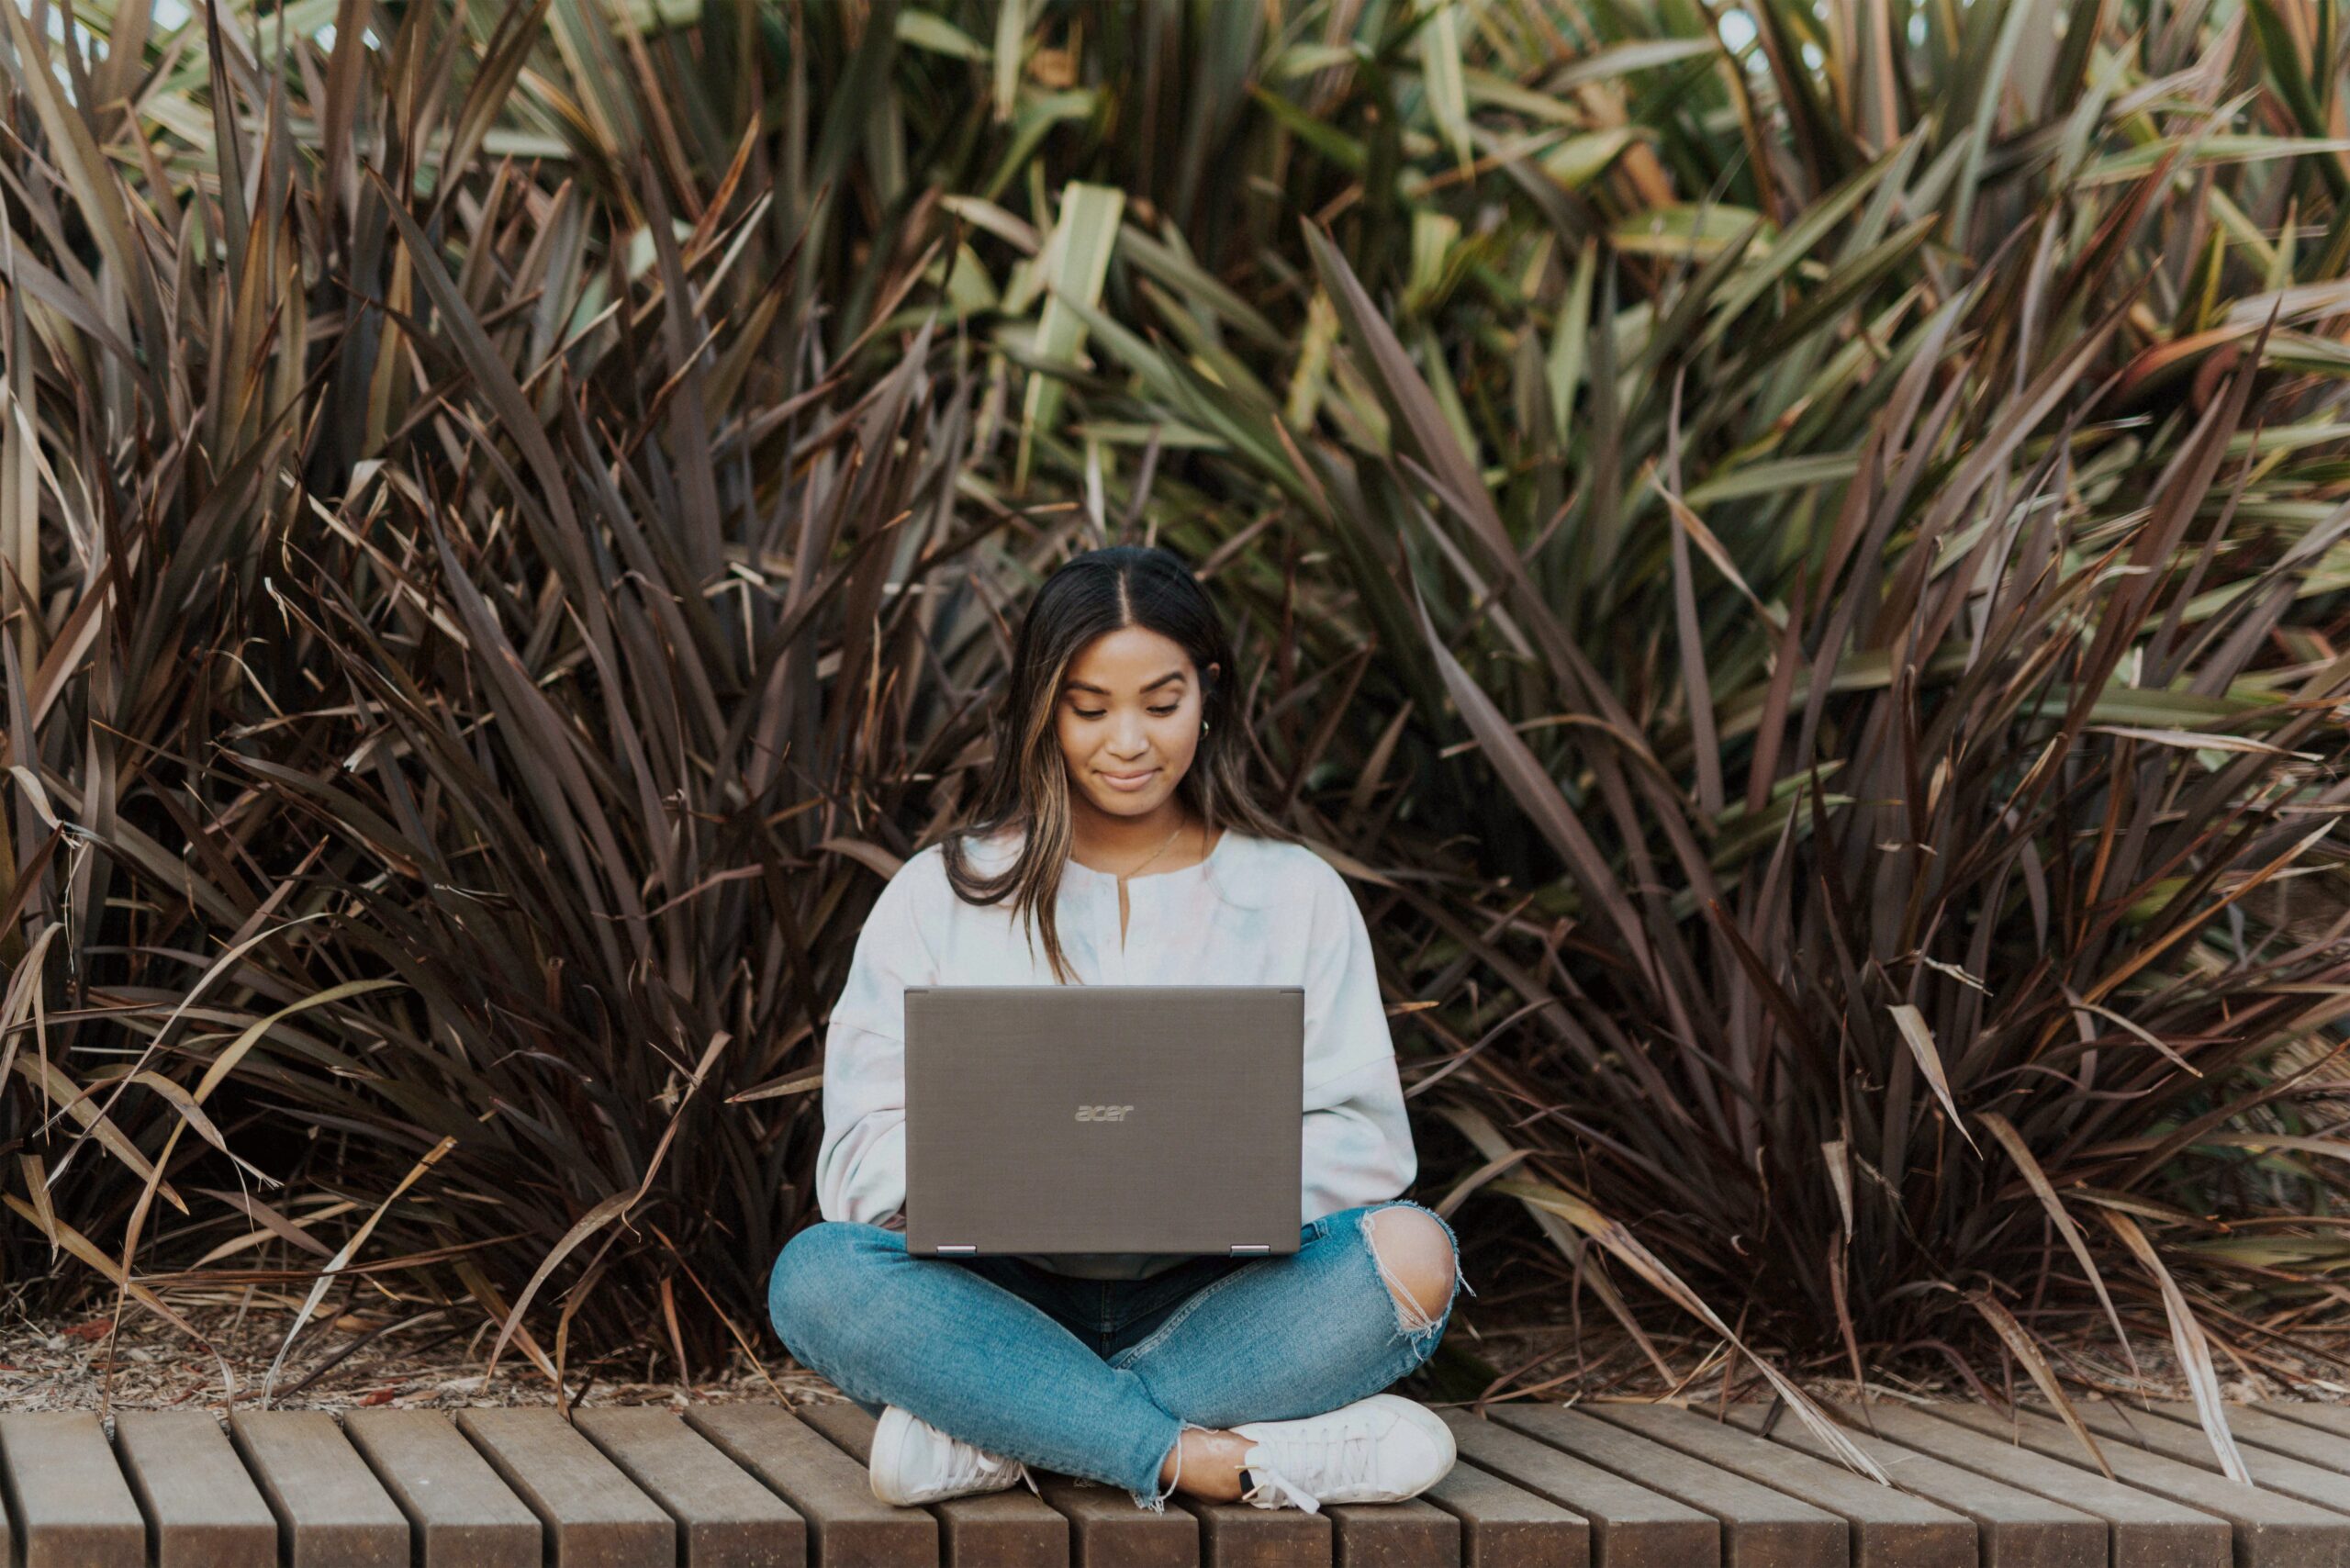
(1116, 829)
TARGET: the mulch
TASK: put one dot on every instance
(348, 1360)
(427, 1360)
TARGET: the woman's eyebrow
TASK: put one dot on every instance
(1075, 685)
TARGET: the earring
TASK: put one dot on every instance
(1203, 726)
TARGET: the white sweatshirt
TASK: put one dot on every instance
(1255, 912)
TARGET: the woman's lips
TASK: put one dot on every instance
(1135, 781)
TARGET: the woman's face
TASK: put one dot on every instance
(1128, 719)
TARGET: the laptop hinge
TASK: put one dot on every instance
(1253, 1246)
(972, 1247)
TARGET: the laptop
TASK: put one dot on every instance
(1104, 1119)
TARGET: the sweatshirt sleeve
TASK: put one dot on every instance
(1357, 1140)
(861, 1161)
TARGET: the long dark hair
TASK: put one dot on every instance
(1027, 785)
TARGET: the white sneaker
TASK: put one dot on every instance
(914, 1463)
(1380, 1449)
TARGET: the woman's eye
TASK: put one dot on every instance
(1095, 714)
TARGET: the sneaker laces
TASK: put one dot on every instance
(1274, 1487)
(1346, 1458)
(973, 1464)
(967, 1465)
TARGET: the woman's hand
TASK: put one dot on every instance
(896, 1220)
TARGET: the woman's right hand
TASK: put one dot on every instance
(896, 1220)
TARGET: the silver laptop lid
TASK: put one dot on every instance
(1104, 1119)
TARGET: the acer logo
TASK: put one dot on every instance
(1103, 1112)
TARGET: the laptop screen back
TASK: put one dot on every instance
(1104, 1119)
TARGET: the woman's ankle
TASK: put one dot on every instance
(1211, 1465)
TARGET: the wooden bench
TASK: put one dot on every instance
(1605, 1485)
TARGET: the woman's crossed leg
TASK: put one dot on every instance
(1363, 1300)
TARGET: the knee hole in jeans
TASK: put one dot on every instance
(1413, 1319)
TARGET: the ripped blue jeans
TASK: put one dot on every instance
(1099, 1378)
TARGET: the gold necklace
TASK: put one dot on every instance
(1156, 853)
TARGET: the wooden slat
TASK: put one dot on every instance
(1014, 1527)
(2143, 1531)
(1241, 1535)
(1504, 1526)
(462, 1514)
(331, 1511)
(2270, 1532)
(2270, 1472)
(725, 1519)
(848, 1527)
(203, 1510)
(1631, 1527)
(1107, 1530)
(1761, 1528)
(2261, 1427)
(71, 1506)
(2013, 1528)
(1889, 1529)
(1414, 1533)
(595, 1516)
(2335, 1418)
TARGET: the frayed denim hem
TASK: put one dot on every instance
(1154, 1501)
(1411, 1322)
